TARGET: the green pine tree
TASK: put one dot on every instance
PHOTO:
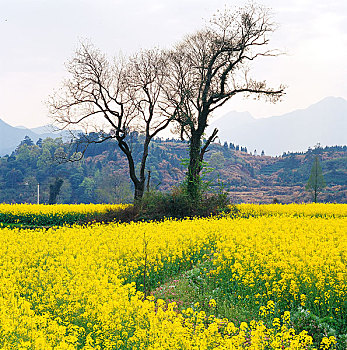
(316, 182)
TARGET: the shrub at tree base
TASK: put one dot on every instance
(178, 204)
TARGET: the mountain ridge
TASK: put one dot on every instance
(11, 136)
(324, 122)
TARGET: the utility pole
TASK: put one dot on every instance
(38, 193)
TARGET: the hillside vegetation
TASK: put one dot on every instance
(102, 175)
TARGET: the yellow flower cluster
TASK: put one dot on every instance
(78, 287)
(327, 343)
(308, 209)
(63, 287)
(291, 260)
(57, 214)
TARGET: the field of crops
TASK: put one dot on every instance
(51, 215)
(95, 286)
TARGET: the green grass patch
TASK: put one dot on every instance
(22, 226)
(194, 289)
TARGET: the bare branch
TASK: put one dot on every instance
(205, 72)
(114, 99)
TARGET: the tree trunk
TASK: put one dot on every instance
(196, 156)
(139, 189)
(139, 185)
(194, 168)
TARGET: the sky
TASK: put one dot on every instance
(38, 36)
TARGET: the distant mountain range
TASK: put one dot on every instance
(324, 122)
(10, 136)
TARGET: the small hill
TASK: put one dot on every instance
(264, 179)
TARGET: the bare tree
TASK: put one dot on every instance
(211, 66)
(113, 100)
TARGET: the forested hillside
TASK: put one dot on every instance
(101, 176)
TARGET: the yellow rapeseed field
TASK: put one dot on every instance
(62, 209)
(305, 209)
(82, 287)
(57, 214)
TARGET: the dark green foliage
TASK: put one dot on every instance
(316, 182)
(54, 190)
(102, 176)
(178, 204)
(120, 215)
(39, 142)
(27, 141)
(34, 219)
(156, 205)
(319, 327)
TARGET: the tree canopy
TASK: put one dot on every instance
(182, 86)
(211, 66)
(316, 182)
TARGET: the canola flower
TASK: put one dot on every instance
(79, 287)
(292, 261)
(292, 209)
(57, 214)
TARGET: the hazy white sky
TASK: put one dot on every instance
(38, 36)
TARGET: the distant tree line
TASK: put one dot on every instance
(101, 175)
